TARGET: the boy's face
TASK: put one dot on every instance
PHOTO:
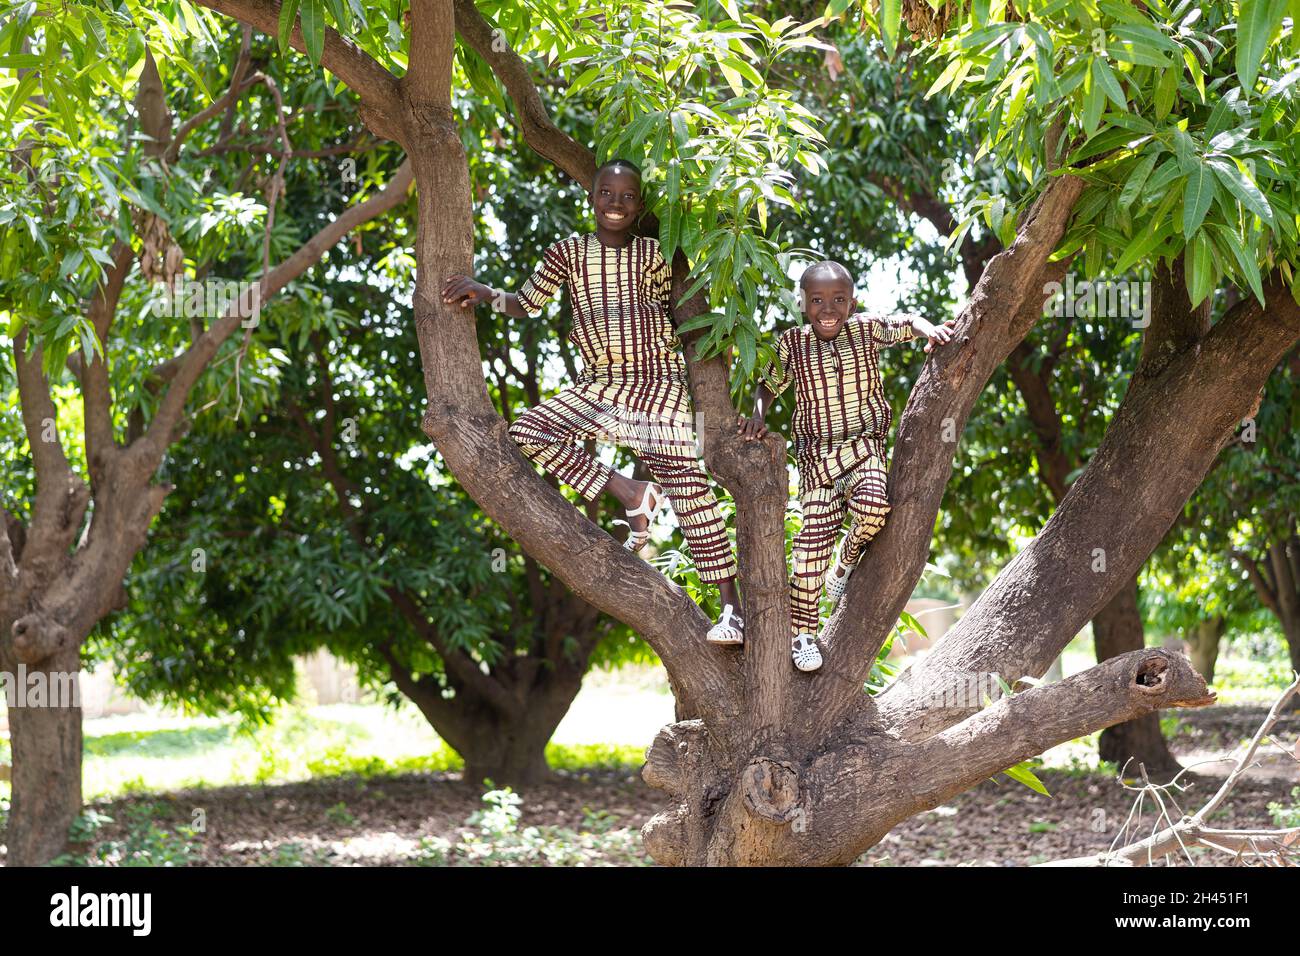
(616, 199)
(827, 302)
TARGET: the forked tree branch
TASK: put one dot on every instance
(540, 133)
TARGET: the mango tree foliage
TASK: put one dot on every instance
(1183, 118)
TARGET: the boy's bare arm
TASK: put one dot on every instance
(468, 293)
(754, 428)
(934, 334)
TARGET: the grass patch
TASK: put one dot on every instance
(144, 754)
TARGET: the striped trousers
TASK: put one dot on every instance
(861, 493)
(654, 422)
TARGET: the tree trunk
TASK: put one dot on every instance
(506, 744)
(1117, 629)
(46, 744)
(1203, 646)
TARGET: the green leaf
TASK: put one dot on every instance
(912, 623)
(1137, 179)
(891, 12)
(20, 95)
(1194, 67)
(1022, 774)
(1094, 101)
(1197, 196)
(1166, 90)
(1199, 269)
(288, 15)
(1105, 140)
(1138, 55)
(1104, 76)
(1151, 235)
(1258, 21)
(584, 79)
(313, 29)
(1235, 181)
(1245, 259)
(732, 76)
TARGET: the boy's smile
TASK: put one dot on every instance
(827, 302)
(616, 200)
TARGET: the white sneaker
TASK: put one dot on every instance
(836, 582)
(730, 629)
(804, 653)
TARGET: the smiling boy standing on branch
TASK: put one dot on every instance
(633, 386)
(841, 425)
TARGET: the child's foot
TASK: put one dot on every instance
(643, 501)
(837, 580)
(730, 629)
(804, 652)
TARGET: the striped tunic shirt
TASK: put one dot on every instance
(841, 415)
(622, 325)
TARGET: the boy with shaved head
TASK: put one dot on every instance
(841, 425)
(632, 390)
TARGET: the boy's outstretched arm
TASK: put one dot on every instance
(754, 428)
(468, 293)
(934, 334)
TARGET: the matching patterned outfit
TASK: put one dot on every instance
(632, 390)
(841, 425)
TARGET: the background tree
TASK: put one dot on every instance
(105, 175)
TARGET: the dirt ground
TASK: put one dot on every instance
(382, 821)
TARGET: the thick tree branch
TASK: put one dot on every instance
(1175, 324)
(61, 497)
(1053, 465)
(10, 553)
(1288, 594)
(850, 795)
(427, 82)
(1192, 830)
(381, 102)
(1156, 451)
(1267, 595)
(425, 693)
(921, 202)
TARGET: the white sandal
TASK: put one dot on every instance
(651, 503)
(837, 584)
(804, 653)
(730, 629)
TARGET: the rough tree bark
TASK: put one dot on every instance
(776, 766)
(52, 593)
(1117, 628)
